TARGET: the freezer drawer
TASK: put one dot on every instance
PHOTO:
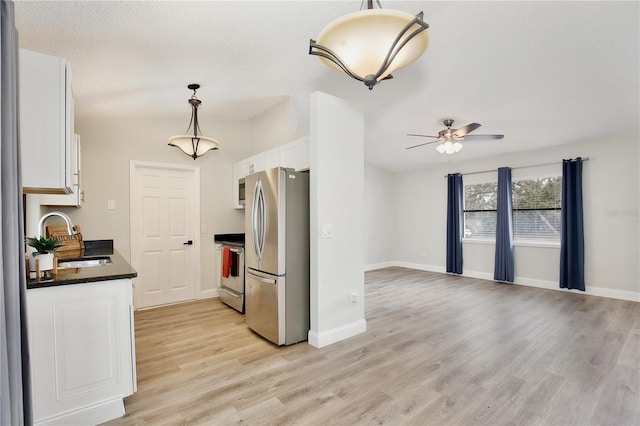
(264, 310)
(231, 298)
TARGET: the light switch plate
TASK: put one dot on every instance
(111, 204)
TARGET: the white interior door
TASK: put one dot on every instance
(164, 241)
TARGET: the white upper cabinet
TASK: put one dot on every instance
(46, 123)
(257, 163)
(294, 155)
(76, 198)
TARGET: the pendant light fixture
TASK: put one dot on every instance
(194, 145)
(370, 44)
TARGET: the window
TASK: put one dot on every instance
(536, 209)
(480, 204)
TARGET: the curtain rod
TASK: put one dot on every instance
(513, 168)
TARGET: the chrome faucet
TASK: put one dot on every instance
(70, 228)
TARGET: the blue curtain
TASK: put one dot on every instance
(503, 266)
(572, 234)
(454, 223)
(15, 379)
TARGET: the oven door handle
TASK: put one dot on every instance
(225, 291)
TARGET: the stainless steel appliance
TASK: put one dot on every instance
(277, 255)
(241, 192)
(231, 270)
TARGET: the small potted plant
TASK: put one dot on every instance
(44, 252)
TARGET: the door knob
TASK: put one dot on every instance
(188, 243)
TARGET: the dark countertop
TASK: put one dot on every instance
(229, 239)
(118, 269)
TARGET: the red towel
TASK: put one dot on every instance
(226, 262)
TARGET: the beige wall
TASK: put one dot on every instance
(611, 219)
(108, 148)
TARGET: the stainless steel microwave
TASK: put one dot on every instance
(241, 188)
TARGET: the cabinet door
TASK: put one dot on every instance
(290, 155)
(76, 198)
(257, 163)
(46, 111)
(273, 158)
(304, 148)
(82, 347)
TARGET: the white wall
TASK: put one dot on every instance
(380, 216)
(284, 122)
(107, 149)
(337, 200)
(611, 206)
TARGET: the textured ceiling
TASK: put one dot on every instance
(542, 73)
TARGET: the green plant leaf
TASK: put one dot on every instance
(43, 245)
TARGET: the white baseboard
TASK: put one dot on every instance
(589, 290)
(326, 338)
(418, 266)
(374, 266)
(209, 293)
(91, 415)
(529, 282)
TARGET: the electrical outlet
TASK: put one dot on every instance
(353, 298)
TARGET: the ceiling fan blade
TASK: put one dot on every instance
(476, 137)
(422, 144)
(422, 136)
(466, 129)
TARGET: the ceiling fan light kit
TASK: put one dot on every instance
(449, 147)
(370, 44)
(448, 139)
(194, 145)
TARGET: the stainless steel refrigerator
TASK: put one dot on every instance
(277, 255)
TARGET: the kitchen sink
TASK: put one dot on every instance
(84, 263)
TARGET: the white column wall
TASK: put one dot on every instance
(337, 201)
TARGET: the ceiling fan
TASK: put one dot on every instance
(448, 139)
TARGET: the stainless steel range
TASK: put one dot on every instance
(231, 269)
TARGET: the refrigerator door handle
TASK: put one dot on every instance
(254, 219)
(263, 220)
(261, 279)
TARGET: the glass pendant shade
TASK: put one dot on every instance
(449, 147)
(194, 145)
(370, 44)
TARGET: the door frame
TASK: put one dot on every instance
(133, 225)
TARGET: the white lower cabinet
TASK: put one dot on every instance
(82, 348)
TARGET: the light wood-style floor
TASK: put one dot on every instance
(439, 350)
